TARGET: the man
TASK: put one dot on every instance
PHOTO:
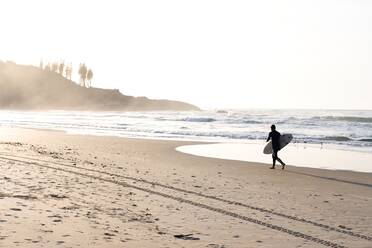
(275, 137)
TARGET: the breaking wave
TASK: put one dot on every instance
(198, 119)
(344, 118)
(338, 138)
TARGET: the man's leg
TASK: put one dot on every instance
(275, 152)
(280, 161)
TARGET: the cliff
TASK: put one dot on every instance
(30, 88)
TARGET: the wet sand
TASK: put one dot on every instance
(60, 190)
(303, 155)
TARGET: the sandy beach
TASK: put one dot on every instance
(61, 190)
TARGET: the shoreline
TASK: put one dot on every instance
(101, 191)
(293, 155)
(185, 144)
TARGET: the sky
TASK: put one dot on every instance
(214, 54)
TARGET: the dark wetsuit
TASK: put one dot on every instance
(275, 138)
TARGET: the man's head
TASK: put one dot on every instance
(273, 127)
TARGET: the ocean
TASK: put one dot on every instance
(343, 129)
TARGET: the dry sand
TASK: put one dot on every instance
(60, 190)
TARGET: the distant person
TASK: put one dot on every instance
(275, 137)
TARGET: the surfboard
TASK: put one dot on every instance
(285, 139)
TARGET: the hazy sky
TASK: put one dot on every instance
(215, 54)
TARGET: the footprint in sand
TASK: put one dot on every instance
(15, 209)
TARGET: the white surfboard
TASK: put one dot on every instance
(285, 139)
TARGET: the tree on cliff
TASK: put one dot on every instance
(89, 77)
(83, 74)
(68, 71)
(61, 67)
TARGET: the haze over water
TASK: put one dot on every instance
(214, 54)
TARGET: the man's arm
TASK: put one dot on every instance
(268, 138)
